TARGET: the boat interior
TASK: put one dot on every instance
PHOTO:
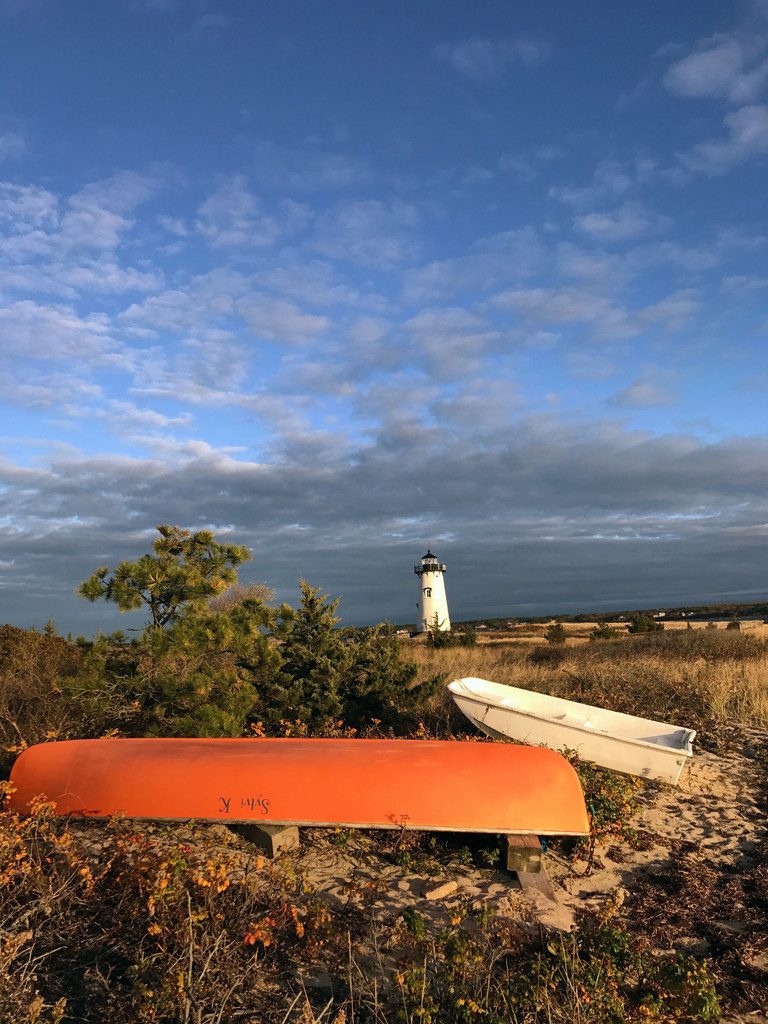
(573, 714)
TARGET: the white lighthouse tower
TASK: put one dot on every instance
(433, 604)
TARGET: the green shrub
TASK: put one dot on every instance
(603, 631)
(378, 686)
(477, 969)
(644, 622)
(612, 802)
(440, 639)
(556, 634)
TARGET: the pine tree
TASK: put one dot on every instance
(314, 660)
(185, 570)
(378, 686)
(206, 674)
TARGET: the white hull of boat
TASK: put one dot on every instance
(623, 743)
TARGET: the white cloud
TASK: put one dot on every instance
(71, 281)
(27, 207)
(734, 67)
(506, 258)
(630, 220)
(106, 276)
(281, 321)
(482, 59)
(350, 355)
(673, 311)
(54, 332)
(125, 417)
(528, 165)
(157, 380)
(450, 340)
(67, 247)
(483, 405)
(173, 225)
(747, 137)
(647, 391)
(234, 217)
(595, 267)
(46, 390)
(590, 364)
(209, 368)
(690, 258)
(570, 305)
(173, 451)
(368, 232)
(95, 217)
(606, 318)
(206, 299)
(610, 181)
(216, 359)
(155, 6)
(209, 22)
(317, 283)
(744, 284)
(310, 165)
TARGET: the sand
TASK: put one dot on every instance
(714, 820)
(716, 809)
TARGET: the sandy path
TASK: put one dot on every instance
(716, 809)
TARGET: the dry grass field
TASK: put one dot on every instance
(579, 632)
(712, 677)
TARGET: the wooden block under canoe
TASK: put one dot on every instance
(421, 784)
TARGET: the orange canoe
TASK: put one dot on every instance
(422, 784)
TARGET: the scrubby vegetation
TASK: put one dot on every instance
(146, 924)
(142, 923)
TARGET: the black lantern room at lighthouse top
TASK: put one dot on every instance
(429, 563)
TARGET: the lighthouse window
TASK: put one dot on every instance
(428, 591)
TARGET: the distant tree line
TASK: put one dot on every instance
(694, 613)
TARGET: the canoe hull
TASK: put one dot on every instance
(430, 784)
(628, 755)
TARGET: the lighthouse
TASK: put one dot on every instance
(433, 604)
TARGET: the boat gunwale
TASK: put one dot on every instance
(289, 822)
(686, 751)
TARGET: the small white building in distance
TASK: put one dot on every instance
(433, 604)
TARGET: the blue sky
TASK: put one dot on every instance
(342, 281)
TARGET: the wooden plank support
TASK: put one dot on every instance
(537, 881)
(272, 839)
(523, 854)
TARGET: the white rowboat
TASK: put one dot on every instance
(624, 743)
